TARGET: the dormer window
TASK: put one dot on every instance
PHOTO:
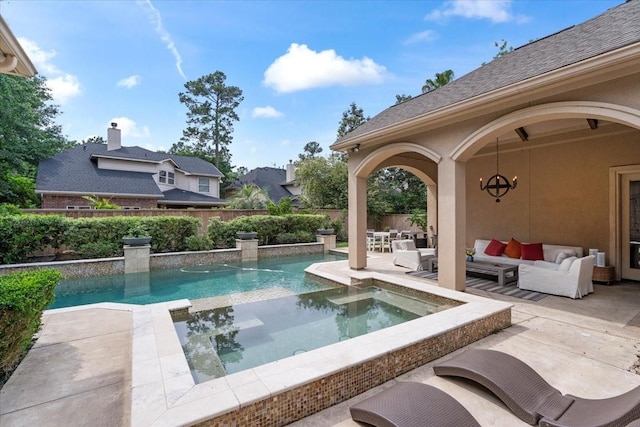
(203, 185)
(167, 178)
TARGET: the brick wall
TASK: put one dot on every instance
(61, 202)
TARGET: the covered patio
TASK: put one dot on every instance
(564, 114)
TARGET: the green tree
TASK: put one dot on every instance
(402, 98)
(94, 140)
(28, 134)
(249, 196)
(311, 150)
(440, 80)
(503, 48)
(211, 106)
(323, 182)
(351, 119)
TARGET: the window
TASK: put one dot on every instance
(166, 177)
(203, 185)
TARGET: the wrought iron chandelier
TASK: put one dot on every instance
(498, 185)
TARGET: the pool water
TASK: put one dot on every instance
(231, 339)
(194, 282)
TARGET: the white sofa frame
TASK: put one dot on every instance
(550, 278)
(405, 254)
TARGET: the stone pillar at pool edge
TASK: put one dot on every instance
(329, 241)
(248, 249)
(136, 258)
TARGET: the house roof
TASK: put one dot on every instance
(15, 60)
(187, 164)
(616, 28)
(178, 196)
(72, 171)
(76, 171)
(271, 180)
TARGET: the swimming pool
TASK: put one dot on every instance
(192, 282)
(231, 339)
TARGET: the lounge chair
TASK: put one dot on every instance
(534, 400)
(411, 404)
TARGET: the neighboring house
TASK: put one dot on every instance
(278, 183)
(131, 177)
(564, 111)
(13, 59)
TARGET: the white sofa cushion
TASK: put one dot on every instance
(566, 264)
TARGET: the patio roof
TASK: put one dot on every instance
(615, 29)
(13, 59)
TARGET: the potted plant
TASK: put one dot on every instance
(325, 231)
(470, 252)
(246, 235)
(137, 236)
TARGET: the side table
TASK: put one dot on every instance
(604, 274)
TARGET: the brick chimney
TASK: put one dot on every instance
(291, 172)
(113, 137)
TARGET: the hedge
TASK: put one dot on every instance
(102, 237)
(23, 298)
(271, 229)
(23, 234)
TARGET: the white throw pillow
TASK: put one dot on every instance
(566, 264)
(564, 255)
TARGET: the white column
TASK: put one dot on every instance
(451, 224)
(432, 209)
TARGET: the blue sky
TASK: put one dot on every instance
(300, 64)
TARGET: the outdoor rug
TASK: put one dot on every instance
(489, 286)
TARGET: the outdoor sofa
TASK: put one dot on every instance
(571, 278)
(528, 253)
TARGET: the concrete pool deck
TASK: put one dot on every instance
(79, 371)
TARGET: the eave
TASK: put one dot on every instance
(604, 67)
(10, 49)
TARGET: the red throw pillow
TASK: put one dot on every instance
(532, 251)
(513, 249)
(495, 248)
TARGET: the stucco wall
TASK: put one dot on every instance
(562, 195)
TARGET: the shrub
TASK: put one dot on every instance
(287, 238)
(23, 298)
(168, 233)
(23, 234)
(271, 229)
(198, 243)
(98, 249)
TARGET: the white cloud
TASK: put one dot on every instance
(129, 128)
(423, 36)
(285, 142)
(156, 19)
(493, 10)
(267, 112)
(62, 85)
(302, 68)
(130, 81)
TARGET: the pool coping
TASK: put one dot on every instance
(163, 392)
